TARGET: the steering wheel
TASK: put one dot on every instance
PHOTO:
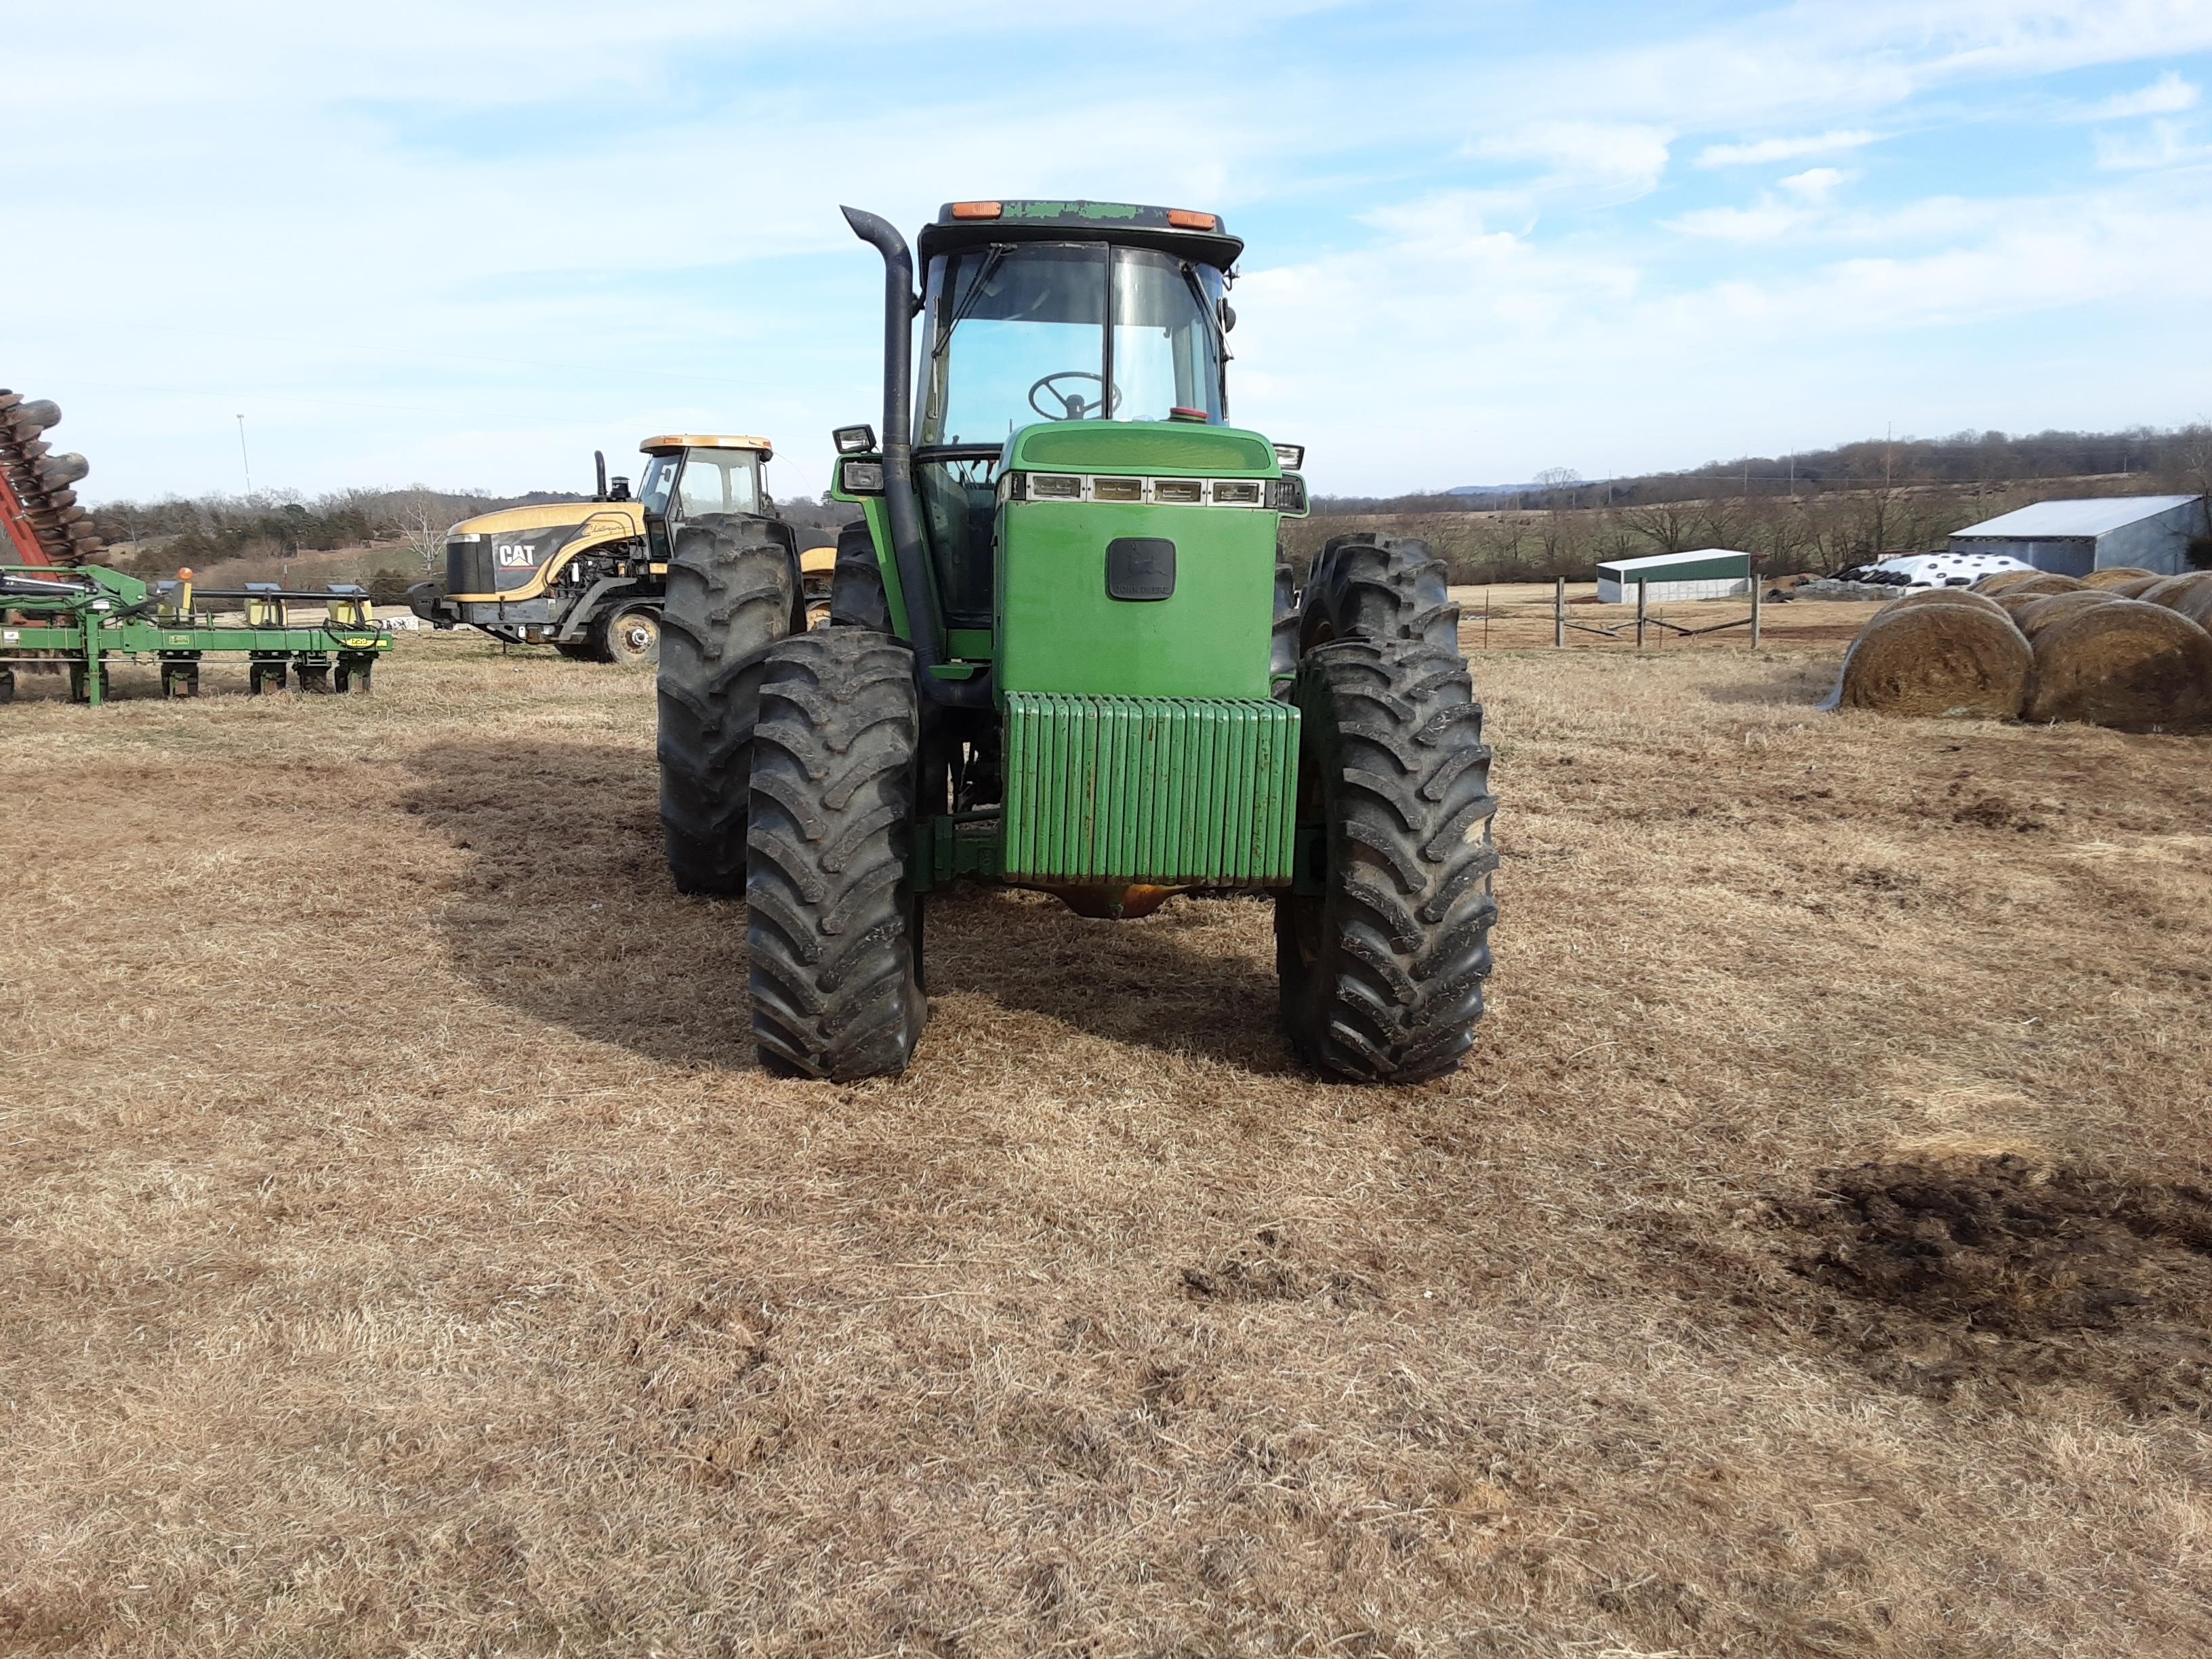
(1073, 406)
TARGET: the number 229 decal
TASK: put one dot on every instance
(515, 556)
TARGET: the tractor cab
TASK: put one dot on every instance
(1052, 312)
(1074, 352)
(692, 478)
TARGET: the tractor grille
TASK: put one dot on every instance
(1150, 789)
(469, 567)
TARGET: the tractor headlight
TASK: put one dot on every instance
(861, 477)
(471, 536)
(1293, 456)
(854, 440)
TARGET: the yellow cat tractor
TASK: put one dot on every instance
(589, 578)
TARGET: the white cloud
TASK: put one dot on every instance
(2167, 95)
(1814, 184)
(1622, 159)
(2165, 144)
(1495, 354)
(1763, 151)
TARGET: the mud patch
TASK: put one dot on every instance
(1996, 1274)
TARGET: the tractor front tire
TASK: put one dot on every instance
(857, 598)
(729, 597)
(832, 926)
(1378, 588)
(1382, 958)
(631, 638)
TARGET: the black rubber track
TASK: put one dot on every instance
(832, 929)
(1382, 973)
(856, 587)
(729, 596)
(1378, 588)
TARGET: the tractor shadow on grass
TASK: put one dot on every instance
(1800, 684)
(563, 911)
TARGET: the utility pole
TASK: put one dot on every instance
(242, 460)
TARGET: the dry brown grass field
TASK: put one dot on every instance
(406, 1256)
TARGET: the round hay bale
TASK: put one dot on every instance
(1961, 661)
(2004, 580)
(2125, 663)
(2041, 609)
(2170, 591)
(2195, 603)
(2136, 586)
(2115, 576)
(1946, 596)
(2045, 581)
(2013, 603)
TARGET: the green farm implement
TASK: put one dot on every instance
(80, 618)
(1065, 653)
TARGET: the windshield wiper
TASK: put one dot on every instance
(970, 300)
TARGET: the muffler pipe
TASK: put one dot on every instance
(909, 548)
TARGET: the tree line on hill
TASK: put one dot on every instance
(1818, 510)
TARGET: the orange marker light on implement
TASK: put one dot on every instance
(976, 210)
(1184, 219)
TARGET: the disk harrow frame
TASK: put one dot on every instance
(83, 617)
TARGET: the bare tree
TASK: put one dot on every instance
(1667, 526)
(422, 516)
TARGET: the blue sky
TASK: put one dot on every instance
(463, 245)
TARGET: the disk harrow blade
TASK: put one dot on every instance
(41, 522)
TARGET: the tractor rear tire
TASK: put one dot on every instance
(1382, 969)
(857, 598)
(729, 597)
(1378, 588)
(832, 927)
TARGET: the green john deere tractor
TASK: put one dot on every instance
(1064, 654)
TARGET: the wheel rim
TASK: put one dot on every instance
(635, 637)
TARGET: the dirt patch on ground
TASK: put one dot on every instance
(2006, 1274)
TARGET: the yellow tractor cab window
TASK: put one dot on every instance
(718, 480)
(659, 482)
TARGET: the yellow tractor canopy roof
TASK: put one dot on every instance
(669, 445)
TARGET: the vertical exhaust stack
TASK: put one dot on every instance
(599, 473)
(909, 545)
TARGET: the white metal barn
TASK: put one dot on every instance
(2073, 538)
(1709, 572)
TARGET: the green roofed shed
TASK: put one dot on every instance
(1708, 572)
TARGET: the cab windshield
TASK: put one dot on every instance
(713, 481)
(1018, 333)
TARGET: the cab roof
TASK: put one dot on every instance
(669, 443)
(1198, 236)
